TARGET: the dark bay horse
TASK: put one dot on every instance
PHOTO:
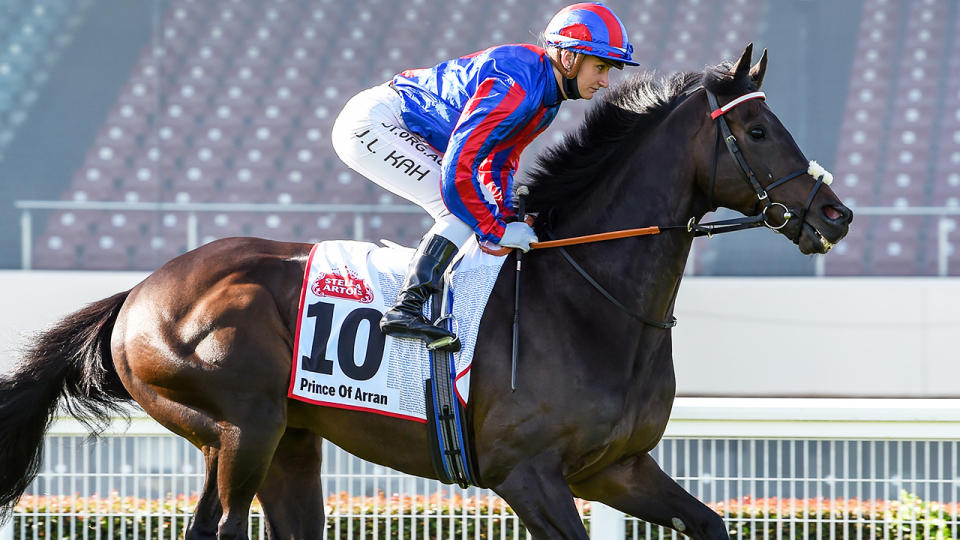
(204, 344)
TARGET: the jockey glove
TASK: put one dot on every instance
(518, 235)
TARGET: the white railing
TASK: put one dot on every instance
(945, 226)
(818, 451)
(357, 211)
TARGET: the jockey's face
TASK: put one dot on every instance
(594, 75)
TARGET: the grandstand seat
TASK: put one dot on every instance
(894, 258)
(239, 95)
(895, 246)
(404, 229)
(155, 251)
(346, 186)
(141, 183)
(329, 226)
(221, 225)
(103, 252)
(228, 119)
(297, 185)
(127, 227)
(98, 183)
(905, 186)
(57, 252)
(247, 182)
(199, 175)
(847, 259)
(307, 159)
(319, 113)
(278, 226)
(72, 223)
(289, 100)
(172, 225)
(946, 188)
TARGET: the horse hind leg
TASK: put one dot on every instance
(203, 432)
(207, 514)
(237, 451)
(637, 486)
(242, 463)
(292, 493)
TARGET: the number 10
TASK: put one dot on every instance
(317, 361)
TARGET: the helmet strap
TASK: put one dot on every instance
(570, 87)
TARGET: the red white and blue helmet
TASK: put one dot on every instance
(590, 28)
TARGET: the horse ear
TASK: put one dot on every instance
(757, 71)
(743, 65)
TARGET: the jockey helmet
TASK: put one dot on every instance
(590, 28)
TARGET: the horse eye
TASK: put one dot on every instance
(757, 133)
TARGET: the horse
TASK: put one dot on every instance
(204, 343)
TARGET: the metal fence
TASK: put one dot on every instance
(354, 212)
(807, 468)
(946, 225)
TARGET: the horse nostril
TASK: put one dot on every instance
(837, 213)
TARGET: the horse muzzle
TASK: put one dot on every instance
(823, 228)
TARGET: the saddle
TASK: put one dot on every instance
(342, 360)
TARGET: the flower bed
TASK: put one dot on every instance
(394, 517)
(128, 518)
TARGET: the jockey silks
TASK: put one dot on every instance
(481, 111)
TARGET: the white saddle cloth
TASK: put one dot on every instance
(341, 359)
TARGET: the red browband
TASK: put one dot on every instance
(723, 110)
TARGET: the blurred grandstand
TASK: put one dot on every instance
(232, 101)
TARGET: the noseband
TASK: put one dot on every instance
(761, 217)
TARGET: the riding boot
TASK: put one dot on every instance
(424, 278)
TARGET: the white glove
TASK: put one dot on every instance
(518, 235)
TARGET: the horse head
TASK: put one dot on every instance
(748, 161)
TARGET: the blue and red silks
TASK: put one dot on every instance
(481, 110)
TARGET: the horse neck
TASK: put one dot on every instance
(654, 186)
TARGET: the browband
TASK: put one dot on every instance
(726, 108)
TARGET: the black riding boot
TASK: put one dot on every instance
(424, 277)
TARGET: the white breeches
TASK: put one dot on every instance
(371, 138)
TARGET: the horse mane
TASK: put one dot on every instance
(587, 157)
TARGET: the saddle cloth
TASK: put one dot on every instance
(341, 359)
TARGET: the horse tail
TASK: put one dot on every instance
(72, 361)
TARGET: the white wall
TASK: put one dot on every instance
(737, 336)
(834, 336)
(30, 301)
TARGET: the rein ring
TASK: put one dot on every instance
(786, 216)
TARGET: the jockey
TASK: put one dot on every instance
(449, 139)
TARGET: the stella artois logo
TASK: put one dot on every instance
(349, 286)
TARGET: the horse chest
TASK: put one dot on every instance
(630, 420)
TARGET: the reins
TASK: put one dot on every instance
(693, 226)
(716, 227)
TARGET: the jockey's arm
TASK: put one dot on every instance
(477, 174)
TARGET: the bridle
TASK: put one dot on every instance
(760, 218)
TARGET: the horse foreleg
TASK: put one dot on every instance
(292, 493)
(543, 502)
(637, 486)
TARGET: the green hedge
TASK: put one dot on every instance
(117, 518)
